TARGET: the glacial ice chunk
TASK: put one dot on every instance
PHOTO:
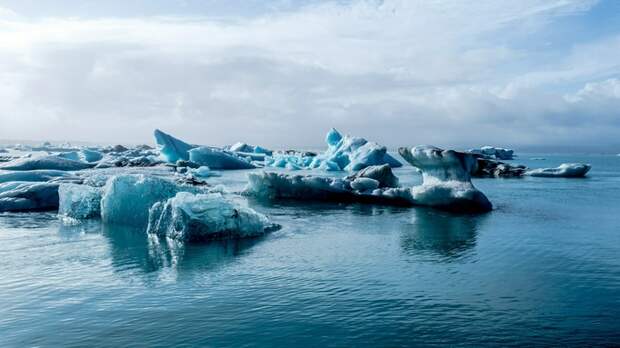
(446, 179)
(45, 162)
(565, 170)
(343, 153)
(127, 199)
(28, 196)
(79, 201)
(33, 175)
(494, 152)
(446, 183)
(196, 217)
(172, 148)
(91, 155)
(215, 158)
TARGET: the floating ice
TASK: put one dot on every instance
(446, 183)
(343, 153)
(383, 174)
(202, 172)
(28, 196)
(446, 179)
(45, 162)
(494, 152)
(172, 148)
(245, 148)
(195, 217)
(91, 155)
(34, 175)
(489, 168)
(565, 170)
(215, 158)
(79, 201)
(127, 198)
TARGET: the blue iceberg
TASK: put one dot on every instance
(172, 148)
(343, 153)
(215, 158)
(127, 199)
(198, 217)
(28, 196)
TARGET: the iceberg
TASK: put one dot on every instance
(489, 168)
(446, 179)
(446, 183)
(565, 170)
(91, 155)
(198, 217)
(249, 149)
(202, 172)
(171, 148)
(45, 162)
(215, 158)
(343, 153)
(79, 201)
(28, 196)
(126, 199)
(494, 152)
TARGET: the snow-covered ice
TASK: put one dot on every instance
(196, 217)
(35, 175)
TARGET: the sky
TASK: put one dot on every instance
(520, 74)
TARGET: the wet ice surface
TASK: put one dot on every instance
(542, 268)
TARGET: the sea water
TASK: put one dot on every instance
(543, 268)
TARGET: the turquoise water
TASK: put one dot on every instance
(542, 269)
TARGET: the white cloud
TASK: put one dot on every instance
(400, 72)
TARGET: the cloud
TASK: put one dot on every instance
(399, 72)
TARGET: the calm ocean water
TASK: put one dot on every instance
(542, 269)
